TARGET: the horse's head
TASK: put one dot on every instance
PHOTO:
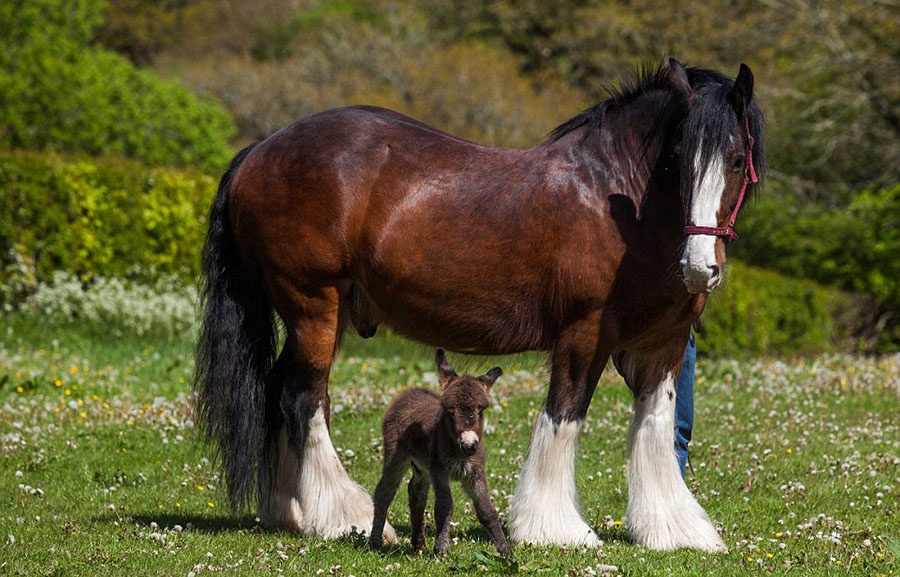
(721, 154)
(463, 403)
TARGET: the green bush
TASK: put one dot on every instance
(104, 216)
(759, 312)
(57, 92)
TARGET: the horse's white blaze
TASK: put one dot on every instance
(662, 513)
(317, 496)
(699, 256)
(469, 438)
(545, 507)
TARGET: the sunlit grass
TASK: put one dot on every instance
(797, 461)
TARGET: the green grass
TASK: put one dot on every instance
(797, 461)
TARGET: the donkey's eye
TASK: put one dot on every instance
(738, 163)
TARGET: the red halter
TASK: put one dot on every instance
(749, 176)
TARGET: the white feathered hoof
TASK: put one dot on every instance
(688, 527)
(544, 510)
(662, 513)
(317, 497)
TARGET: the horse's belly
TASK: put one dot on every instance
(496, 323)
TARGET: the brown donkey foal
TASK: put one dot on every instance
(440, 435)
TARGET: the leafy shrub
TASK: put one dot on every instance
(57, 92)
(100, 217)
(759, 312)
(856, 246)
(166, 307)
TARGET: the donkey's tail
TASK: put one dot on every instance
(235, 351)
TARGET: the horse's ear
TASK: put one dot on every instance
(679, 80)
(742, 91)
(445, 371)
(490, 377)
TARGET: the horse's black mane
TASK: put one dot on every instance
(644, 79)
(712, 92)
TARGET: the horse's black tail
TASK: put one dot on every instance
(235, 351)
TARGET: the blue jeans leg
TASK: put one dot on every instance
(684, 404)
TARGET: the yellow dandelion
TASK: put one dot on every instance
(20, 389)
(105, 405)
(177, 504)
(124, 450)
(789, 451)
(130, 423)
(778, 535)
(94, 397)
(769, 555)
(617, 523)
(57, 383)
(210, 504)
(68, 391)
(80, 403)
(73, 370)
(83, 414)
(200, 487)
(750, 559)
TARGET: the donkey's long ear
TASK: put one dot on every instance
(489, 377)
(742, 91)
(445, 371)
(679, 80)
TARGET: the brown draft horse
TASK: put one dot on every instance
(364, 215)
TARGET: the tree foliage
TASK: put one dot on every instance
(57, 92)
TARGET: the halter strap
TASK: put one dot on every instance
(749, 176)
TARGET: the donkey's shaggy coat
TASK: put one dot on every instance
(440, 435)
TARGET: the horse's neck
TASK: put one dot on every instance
(626, 162)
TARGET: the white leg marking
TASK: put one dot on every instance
(317, 496)
(279, 504)
(662, 514)
(545, 508)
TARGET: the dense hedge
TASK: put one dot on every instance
(104, 216)
(58, 92)
(760, 312)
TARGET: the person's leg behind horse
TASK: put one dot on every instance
(684, 404)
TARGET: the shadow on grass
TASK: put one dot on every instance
(196, 523)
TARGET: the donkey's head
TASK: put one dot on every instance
(721, 150)
(463, 403)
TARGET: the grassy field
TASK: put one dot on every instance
(797, 461)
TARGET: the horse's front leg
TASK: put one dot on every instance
(662, 513)
(545, 508)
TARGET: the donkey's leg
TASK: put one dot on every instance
(308, 488)
(392, 472)
(418, 500)
(662, 513)
(545, 508)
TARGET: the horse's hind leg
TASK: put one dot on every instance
(305, 486)
(545, 508)
(662, 513)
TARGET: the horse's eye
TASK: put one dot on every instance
(738, 163)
